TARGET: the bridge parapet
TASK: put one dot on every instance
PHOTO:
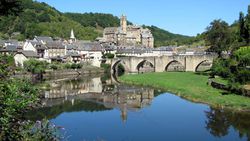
(160, 63)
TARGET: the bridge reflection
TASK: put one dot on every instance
(92, 94)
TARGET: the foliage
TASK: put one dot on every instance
(10, 7)
(7, 66)
(218, 36)
(42, 20)
(163, 37)
(67, 66)
(106, 67)
(16, 97)
(53, 66)
(76, 66)
(35, 66)
(94, 19)
(235, 69)
(109, 55)
(42, 131)
(193, 87)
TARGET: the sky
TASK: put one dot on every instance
(187, 17)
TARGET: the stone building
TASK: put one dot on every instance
(127, 35)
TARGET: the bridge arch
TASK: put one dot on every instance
(115, 65)
(203, 66)
(175, 65)
(145, 66)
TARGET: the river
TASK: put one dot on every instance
(95, 108)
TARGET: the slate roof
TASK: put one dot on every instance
(10, 48)
(90, 46)
(55, 45)
(28, 53)
(43, 38)
(12, 42)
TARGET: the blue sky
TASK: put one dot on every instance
(187, 17)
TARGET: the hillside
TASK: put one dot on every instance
(163, 37)
(41, 19)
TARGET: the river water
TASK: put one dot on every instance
(95, 108)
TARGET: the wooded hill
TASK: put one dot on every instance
(41, 19)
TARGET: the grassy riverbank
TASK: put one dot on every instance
(190, 86)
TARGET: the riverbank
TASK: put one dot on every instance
(190, 86)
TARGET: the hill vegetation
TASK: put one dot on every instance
(41, 19)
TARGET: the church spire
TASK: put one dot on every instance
(72, 36)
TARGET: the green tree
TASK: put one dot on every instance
(10, 7)
(242, 27)
(247, 26)
(217, 36)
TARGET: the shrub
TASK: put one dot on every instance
(109, 55)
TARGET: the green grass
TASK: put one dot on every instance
(189, 86)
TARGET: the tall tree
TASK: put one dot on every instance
(247, 26)
(217, 36)
(10, 7)
(242, 27)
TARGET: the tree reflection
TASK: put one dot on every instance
(220, 120)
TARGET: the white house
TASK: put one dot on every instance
(28, 46)
(92, 51)
(22, 56)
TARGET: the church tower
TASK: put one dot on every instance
(123, 23)
(72, 36)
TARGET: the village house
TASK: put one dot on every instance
(55, 49)
(21, 56)
(43, 39)
(10, 49)
(91, 51)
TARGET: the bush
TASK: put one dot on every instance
(53, 66)
(106, 67)
(109, 55)
(35, 66)
(67, 66)
(76, 66)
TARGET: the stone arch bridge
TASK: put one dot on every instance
(162, 63)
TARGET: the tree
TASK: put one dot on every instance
(217, 36)
(242, 27)
(247, 26)
(10, 7)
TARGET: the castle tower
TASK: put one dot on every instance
(123, 23)
(72, 36)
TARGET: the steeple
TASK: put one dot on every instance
(72, 36)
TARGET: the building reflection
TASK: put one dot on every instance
(97, 90)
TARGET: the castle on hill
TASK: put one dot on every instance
(127, 35)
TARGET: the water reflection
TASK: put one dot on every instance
(69, 102)
(219, 122)
(92, 94)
